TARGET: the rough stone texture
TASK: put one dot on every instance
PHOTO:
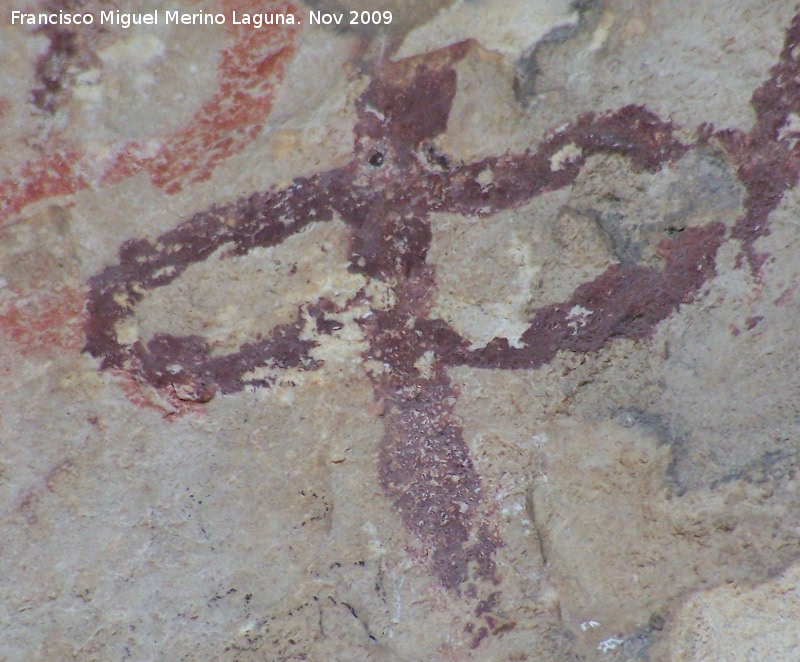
(456, 340)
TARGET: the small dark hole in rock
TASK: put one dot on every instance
(656, 622)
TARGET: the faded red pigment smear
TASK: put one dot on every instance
(385, 196)
(169, 402)
(248, 76)
(53, 175)
(42, 321)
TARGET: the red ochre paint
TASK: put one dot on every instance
(41, 321)
(250, 71)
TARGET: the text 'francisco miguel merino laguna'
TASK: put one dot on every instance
(126, 20)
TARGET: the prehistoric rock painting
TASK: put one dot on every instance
(385, 196)
(249, 72)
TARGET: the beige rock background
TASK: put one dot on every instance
(646, 493)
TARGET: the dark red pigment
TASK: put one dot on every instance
(385, 196)
(72, 50)
(52, 69)
(768, 156)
